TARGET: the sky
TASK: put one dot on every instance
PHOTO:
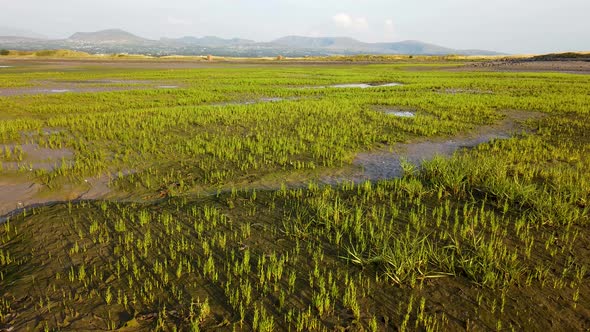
(513, 26)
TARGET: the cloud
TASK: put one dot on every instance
(389, 26)
(342, 19)
(345, 20)
(389, 31)
(178, 21)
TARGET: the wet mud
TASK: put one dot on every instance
(20, 193)
(381, 164)
(33, 157)
(570, 67)
(363, 85)
(59, 87)
(385, 163)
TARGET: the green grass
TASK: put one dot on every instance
(492, 238)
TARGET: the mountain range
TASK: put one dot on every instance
(119, 41)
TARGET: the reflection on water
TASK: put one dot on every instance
(401, 114)
(363, 85)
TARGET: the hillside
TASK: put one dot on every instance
(120, 41)
(107, 36)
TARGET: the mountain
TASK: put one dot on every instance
(348, 45)
(111, 36)
(120, 41)
(210, 41)
(418, 47)
(337, 43)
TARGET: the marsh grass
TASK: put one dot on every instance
(485, 239)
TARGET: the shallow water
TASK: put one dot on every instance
(253, 101)
(386, 163)
(101, 81)
(55, 86)
(363, 85)
(371, 166)
(16, 195)
(36, 157)
(401, 114)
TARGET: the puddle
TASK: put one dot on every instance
(254, 101)
(42, 131)
(56, 87)
(44, 91)
(361, 85)
(401, 114)
(373, 166)
(34, 157)
(16, 195)
(385, 164)
(6, 66)
(101, 81)
(468, 91)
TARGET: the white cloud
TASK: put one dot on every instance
(345, 20)
(389, 30)
(389, 26)
(342, 19)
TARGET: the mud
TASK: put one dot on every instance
(61, 89)
(35, 157)
(104, 81)
(571, 67)
(58, 87)
(468, 91)
(254, 101)
(381, 164)
(363, 85)
(18, 194)
(20, 191)
(386, 163)
(353, 86)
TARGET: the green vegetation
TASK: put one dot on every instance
(584, 56)
(46, 53)
(202, 232)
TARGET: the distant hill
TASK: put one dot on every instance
(120, 41)
(13, 32)
(350, 45)
(210, 41)
(336, 43)
(107, 36)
